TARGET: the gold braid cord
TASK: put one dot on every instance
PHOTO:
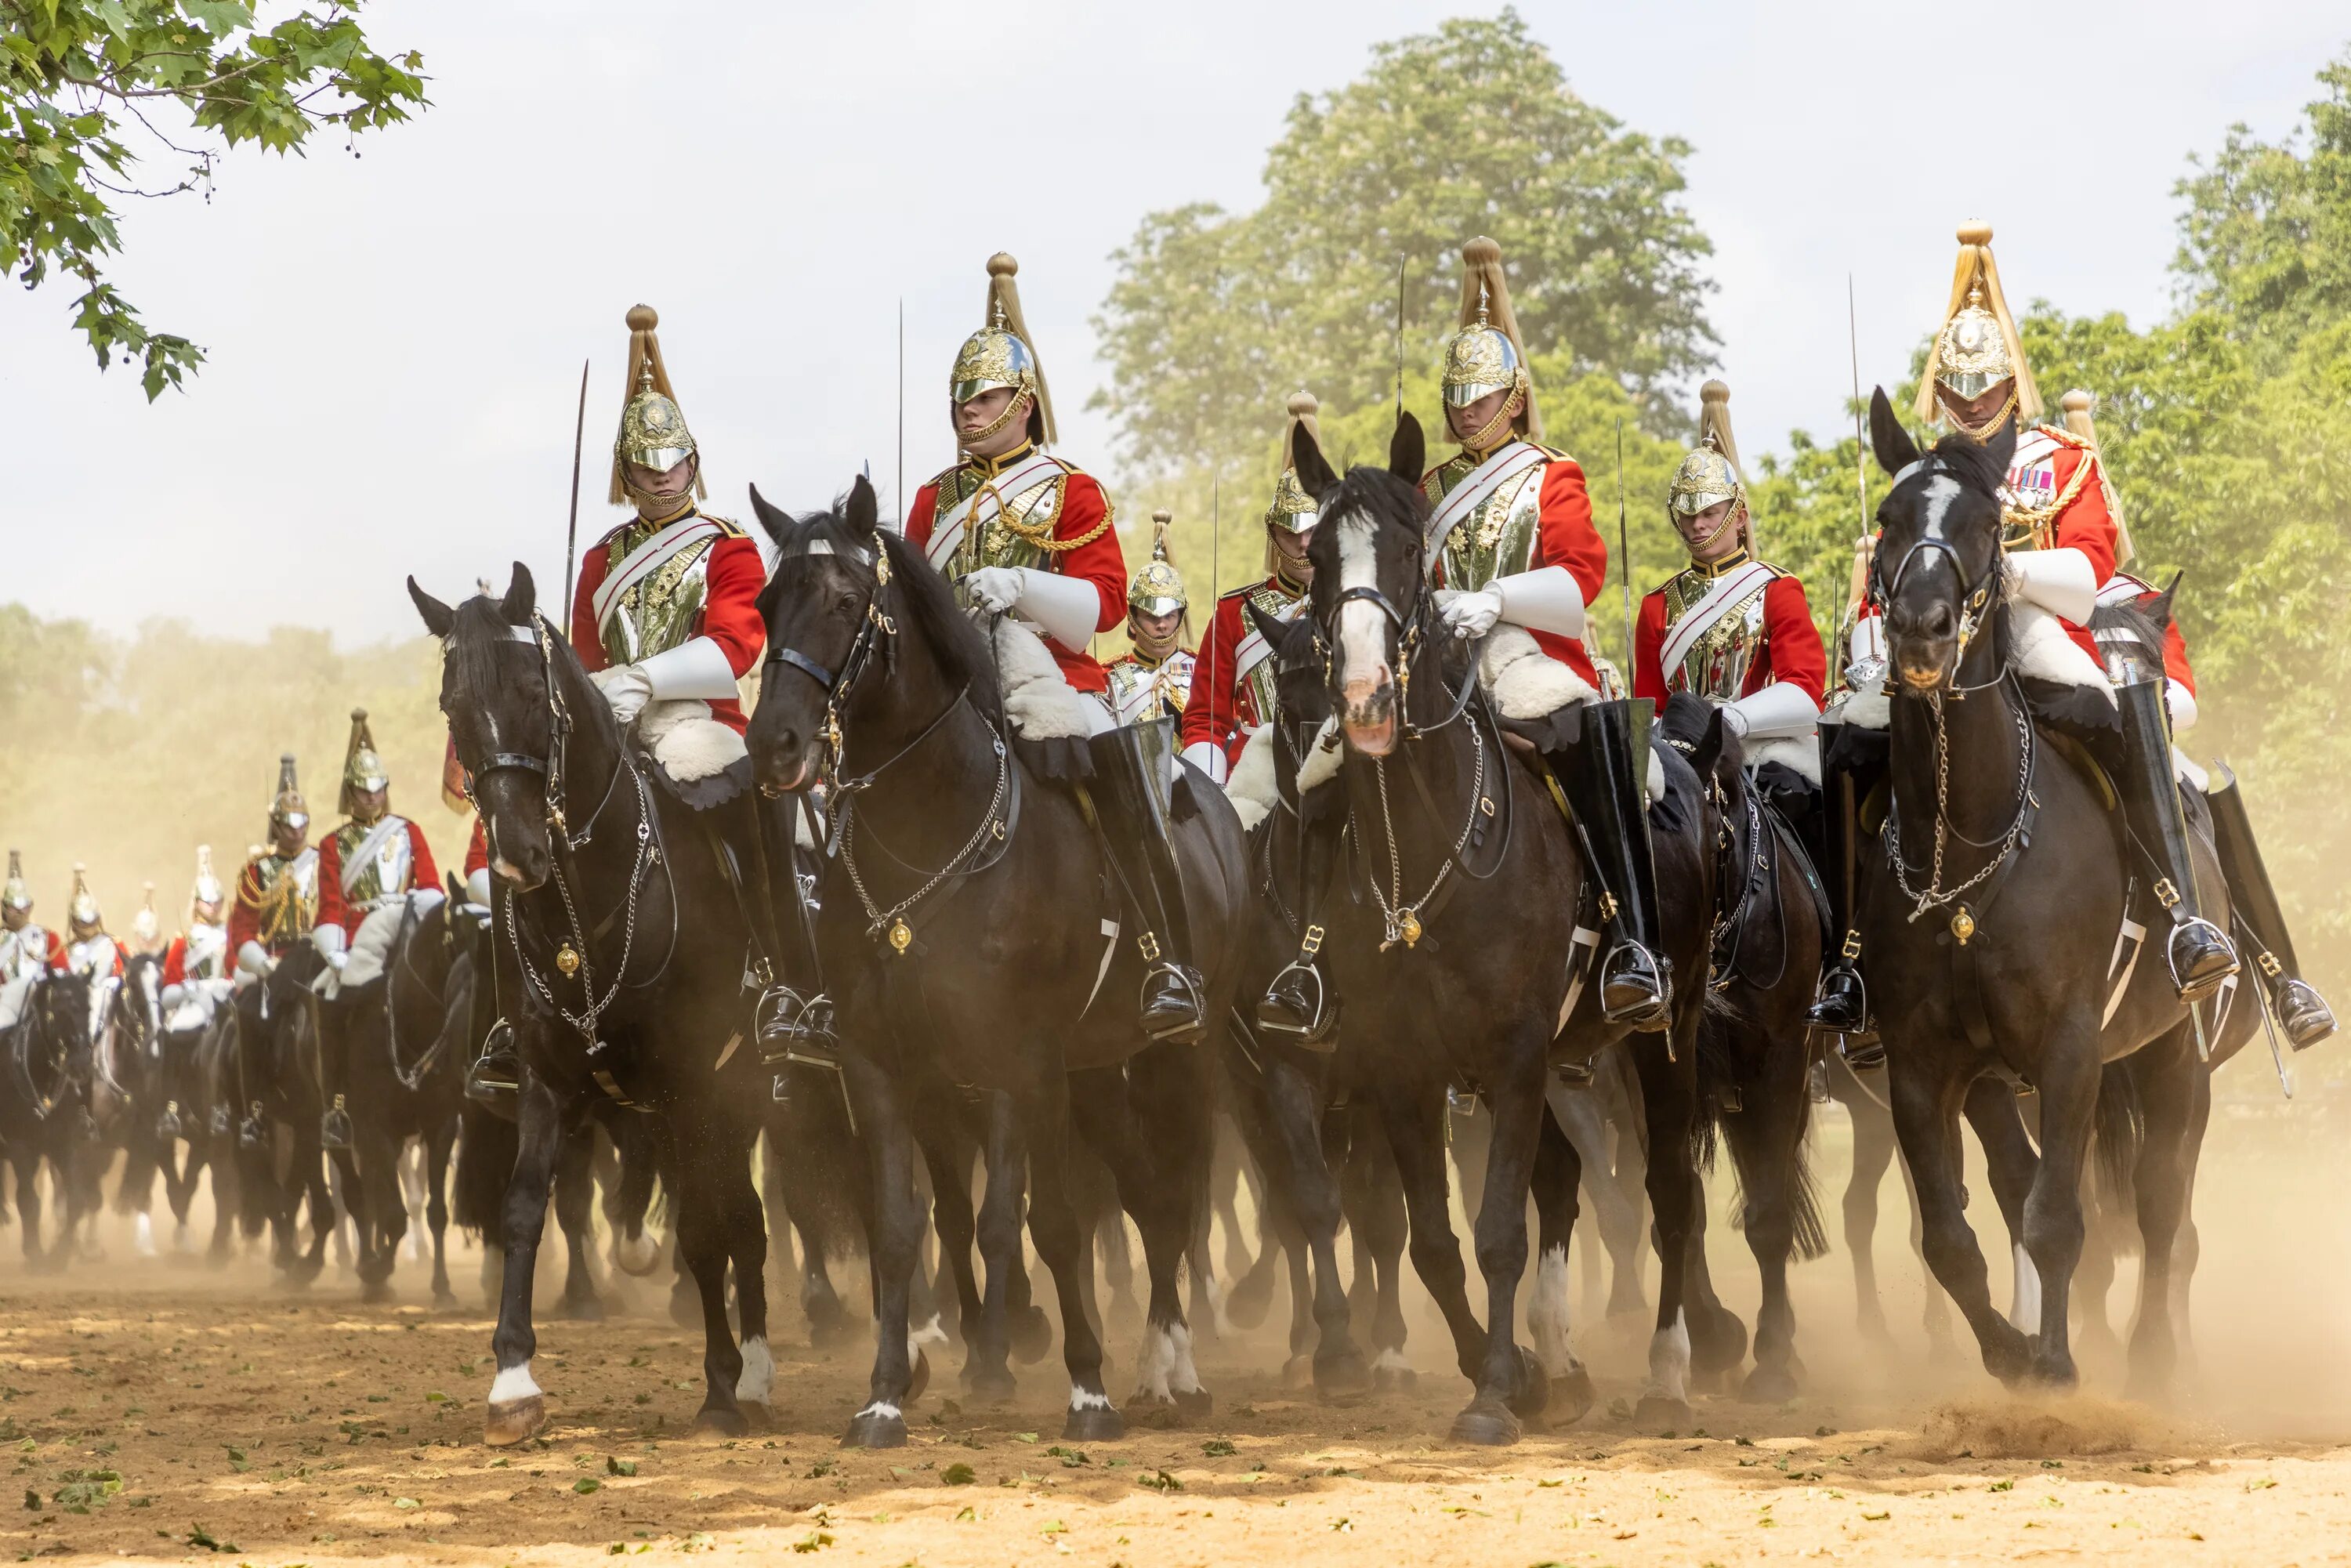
(2038, 518)
(1042, 534)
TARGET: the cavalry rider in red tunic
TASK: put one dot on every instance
(2258, 922)
(90, 949)
(276, 899)
(2059, 544)
(1234, 696)
(1512, 541)
(374, 859)
(26, 949)
(1025, 534)
(1153, 679)
(199, 955)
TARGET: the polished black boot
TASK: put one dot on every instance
(335, 1128)
(2198, 951)
(793, 1022)
(1600, 775)
(2300, 1010)
(1132, 771)
(495, 1072)
(1299, 1003)
(1841, 1001)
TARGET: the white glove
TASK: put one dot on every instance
(2182, 703)
(171, 995)
(251, 960)
(330, 942)
(1208, 757)
(1734, 723)
(695, 668)
(626, 689)
(1474, 614)
(995, 589)
(1781, 710)
(477, 887)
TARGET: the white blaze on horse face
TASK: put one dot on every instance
(1364, 671)
(1941, 491)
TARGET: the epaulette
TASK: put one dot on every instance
(1552, 452)
(2063, 436)
(727, 527)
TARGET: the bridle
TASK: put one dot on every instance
(875, 629)
(1975, 594)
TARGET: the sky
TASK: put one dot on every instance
(396, 338)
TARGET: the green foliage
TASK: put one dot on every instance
(80, 81)
(1218, 317)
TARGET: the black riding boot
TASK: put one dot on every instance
(1600, 775)
(335, 1124)
(1299, 1002)
(2300, 1010)
(2198, 951)
(1130, 795)
(794, 1016)
(1841, 1002)
(496, 1073)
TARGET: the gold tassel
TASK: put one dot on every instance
(1482, 282)
(1975, 266)
(2076, 404)
(1005, 294)
(645, 347)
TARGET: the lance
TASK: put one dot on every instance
(1399, 338)
(898, 496)
(1216, 582)
(1859, 588)
(1625, 547)
(571, 531)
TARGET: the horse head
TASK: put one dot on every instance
(1940, 527)
(2131, 634)
(512, 691)
(1302, 698)
(823, 613)
(1369, 586)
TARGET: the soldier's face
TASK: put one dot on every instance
(1152, 633)
(287, 837)
(985, 410)
(1471, 418)
(1711, 533)
(368, 804)
(665, 484)
(13, 917)
(1292, 549)
(208, 913)
(1972, 413)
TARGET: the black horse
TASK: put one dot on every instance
(634, 949)
(1482, 991)
(281, 1163)
(963, 927)
(1989, 915)
(42, 1099)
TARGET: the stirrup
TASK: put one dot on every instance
(1653, 1012)
(335, 1128)
(253, 1130)
(791, 1028)
(1862, 1052)
(2196, 990)
(1840, 1008)
(1182, 1030)
(498, 1071)
(1279, 1012)
(1574, 1074)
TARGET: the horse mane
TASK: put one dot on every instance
(471, 659)
(1970, 460)
(1389, 499)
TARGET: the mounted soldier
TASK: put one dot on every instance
(1512, 541)
(2059, 544)
(2259, 926)
(27, 950)
(1154, 678)
(1234, 697)
(374, 859)
(195, 964)
(1025, 534)
(90, 949)
(276, 899)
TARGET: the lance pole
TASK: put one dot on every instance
(1625, 547)
(898, 496)
(1859, 588)
(571, 531)
(1399, 339)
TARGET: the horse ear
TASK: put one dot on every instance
(1895, 449)
(1314, 475)
(1709, 745)
(438, 617)
(865, 507)
(777, 521)
(2002, 448)
(456, 890)
(522, 597)
(1407, 450)
(1269, 627)
(2159, 607)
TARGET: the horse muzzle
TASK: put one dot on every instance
(1923, 649)
(526, 872)
(1369, 714)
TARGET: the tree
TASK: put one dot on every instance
(1217, 317)
(81, 79)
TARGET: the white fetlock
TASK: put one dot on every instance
(1669, 1362)
(758, 1378)
(1547, 1313)
(2024, 1306)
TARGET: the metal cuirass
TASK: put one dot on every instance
(659, 613)
(1140, 692)
(387, 872)
(1500, 534)
(1718, 663)
(1034, 512)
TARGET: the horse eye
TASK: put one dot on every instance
(846, 604)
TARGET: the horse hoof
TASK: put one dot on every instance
(1486, 1426)
(992, 1386)
(375, 1293)
(1154, 1412)
(831, 1328)
(513, 1421)
(583, 1309)
(1768, 1385)
(445, 1301)
(1572, 1397)
(1093, 1423)
(1194, 1404)
(2009, 1355)
(1342, 1378)
(919, 1379)
(1533, 1391)
(1298, 1373)
(685, 1308)
(1246, 1310)
(882, 1428)
(1032, 1336)
(1668, 1414)
(729, 1421)
(1395, 1380)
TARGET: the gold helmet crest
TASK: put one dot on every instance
(363, 769)
(17, 892)
(652, 433)
(1486, 354)
(999, 355)
(1158, 587)
(1976, 347)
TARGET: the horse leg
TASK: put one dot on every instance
(987, 1341)
(1161, 1168)
(1767, 1144)
(1414, 1116)
(953, 1217)
(517, 1408)
(437, 1147)
(900, 1369)
(2186, 1247)
(1669, 1109)
(1381, 1213)
(1511, 1384)
(710, 1167)
(1044, 1115)
(746, 1236)
(575, 1197)
(378, 1215)
(2009, 1162)
(2169, 1080)
(2053, 1212)
(1557, 1173)
(1293, 1100)
(26, 1162)
(1873, 1151)
(1925, 1120)
(1616, 1205)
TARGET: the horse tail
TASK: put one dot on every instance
(806, 1154)
(1743, 1132)
(2119, 1123)
(488, 1146)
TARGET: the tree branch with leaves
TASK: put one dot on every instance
(92, 92)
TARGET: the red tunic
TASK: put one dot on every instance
(1099, 561)
(57, 959)
(1791, 649)
(175, 962)
(1222, 708)
(729, 617)
(477, 850)
(1564, 537)
(335, 909)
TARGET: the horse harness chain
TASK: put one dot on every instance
(1934, 895)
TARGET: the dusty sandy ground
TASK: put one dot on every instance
(163, 1412)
